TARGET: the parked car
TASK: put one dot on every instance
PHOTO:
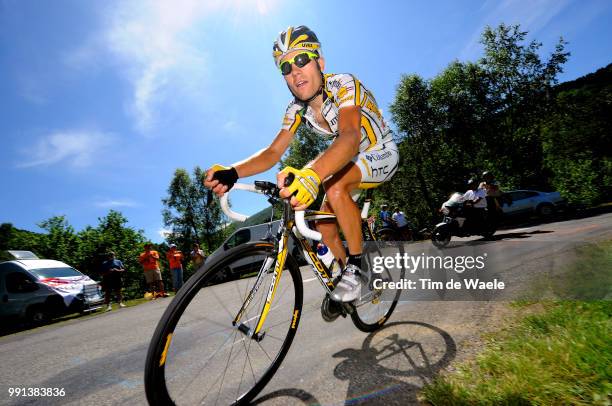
(248, 266)
(533, 202)
(36, 289)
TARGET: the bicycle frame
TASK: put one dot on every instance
(286, 230)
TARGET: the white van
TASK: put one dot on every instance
(241, 269)
(38, 289)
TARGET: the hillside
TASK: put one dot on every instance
(599, 79)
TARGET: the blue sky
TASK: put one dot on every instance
(102, 101)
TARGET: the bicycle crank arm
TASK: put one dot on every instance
(248, 331)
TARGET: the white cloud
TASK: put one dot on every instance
(233, 127)
(113, 203)
(32, 90)
(86, 56)
(164, 233)
(531, 15)
(159, 46)
(74, 148)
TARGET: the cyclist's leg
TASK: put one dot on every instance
(331, 236)
(338, 192)
(338, 196)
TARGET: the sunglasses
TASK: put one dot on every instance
(300, 60)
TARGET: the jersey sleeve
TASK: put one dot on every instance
(293, 117)
(346, 90)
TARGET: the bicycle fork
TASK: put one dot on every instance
(255, 333)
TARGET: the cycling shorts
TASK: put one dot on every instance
(377, 166)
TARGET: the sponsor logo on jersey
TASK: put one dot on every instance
(342, 91)
(346, 99)
(383, 170)
(334, 84)
(378, 157)
(370, 105)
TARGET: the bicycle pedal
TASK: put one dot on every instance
(349, 308)
(330, 310)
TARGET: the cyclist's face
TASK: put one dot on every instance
(304, 82)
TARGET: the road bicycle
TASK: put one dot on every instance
(221, 343)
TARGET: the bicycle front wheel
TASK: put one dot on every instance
(199, 356)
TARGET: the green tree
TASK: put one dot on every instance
(473, 116)
(127, 243)
(305, 146)
(60, 242)
(12, 238)
(189, 214)
(519, 86)
(574, 135)
(113, 234)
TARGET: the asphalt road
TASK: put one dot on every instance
(100, 359)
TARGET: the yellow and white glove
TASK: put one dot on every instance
(305, 186)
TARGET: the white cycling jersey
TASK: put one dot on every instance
(378, 156)
(342, 90)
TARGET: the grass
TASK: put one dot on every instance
(560, 356)
(127, 303)
(590, 277)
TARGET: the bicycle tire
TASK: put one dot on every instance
(372, 322)
(387, 234)
(377, 316)
(179, 318)
(441, 237)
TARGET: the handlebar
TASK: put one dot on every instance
(303, 228)
(225, 202)
(300, 222)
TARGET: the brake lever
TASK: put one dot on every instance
(289, 179)
(268, 188)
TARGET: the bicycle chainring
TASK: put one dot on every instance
(330, 309)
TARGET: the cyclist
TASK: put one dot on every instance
(362, 155)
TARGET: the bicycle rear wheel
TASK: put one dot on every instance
(197, 356)
(374, 308)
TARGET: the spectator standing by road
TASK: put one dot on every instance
(150, 263)
(175, 258)
(112, 271)
(197, 256)
(402, 224)
(385, 216)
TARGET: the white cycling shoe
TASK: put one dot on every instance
(349, 286)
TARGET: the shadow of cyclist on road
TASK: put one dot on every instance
(394, 363)
(294, 394)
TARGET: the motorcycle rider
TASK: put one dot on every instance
(475, 204)
(494, 195)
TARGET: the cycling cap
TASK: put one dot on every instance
(293, 39)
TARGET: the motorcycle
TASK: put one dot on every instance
(456, 223)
